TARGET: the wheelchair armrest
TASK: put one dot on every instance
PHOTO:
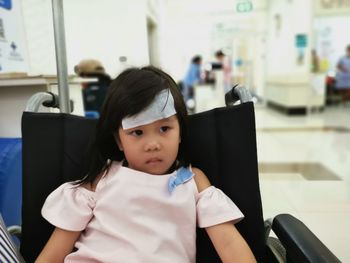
(300, 243)
(15, 231)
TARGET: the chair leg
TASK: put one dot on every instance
(345, 95)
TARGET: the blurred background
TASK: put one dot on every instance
(292, 55)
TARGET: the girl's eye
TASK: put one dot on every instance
(164, 128)
(136, 133)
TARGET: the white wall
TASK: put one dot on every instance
(183, 36)
(37, 15)
(296, 18)
(13, 46)
(289, 79)
(99, 29)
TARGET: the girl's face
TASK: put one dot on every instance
(151, 148)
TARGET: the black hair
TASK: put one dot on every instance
(219, 53)
(196, 59)
(130, 93)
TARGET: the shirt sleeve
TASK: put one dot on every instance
(69, 207)
(214, 207)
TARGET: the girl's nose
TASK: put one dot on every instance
(152, 146)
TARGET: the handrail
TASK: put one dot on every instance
(41, 98)
(238, 92)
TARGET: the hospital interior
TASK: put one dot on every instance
(288, 54)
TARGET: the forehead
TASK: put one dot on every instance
(162, 106)
(170, 120)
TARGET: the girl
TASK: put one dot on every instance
(141, 200)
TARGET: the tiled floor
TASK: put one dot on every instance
(305, 171)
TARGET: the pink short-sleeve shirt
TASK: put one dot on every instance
(132, 217)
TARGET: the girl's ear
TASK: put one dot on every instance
(117, 140)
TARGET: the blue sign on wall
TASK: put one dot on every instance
(301, 40)
(7, 4)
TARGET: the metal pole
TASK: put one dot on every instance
(61, 57)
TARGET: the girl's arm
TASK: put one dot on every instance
(60, 244)
(228, 242)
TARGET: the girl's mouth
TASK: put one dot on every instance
(153, 161)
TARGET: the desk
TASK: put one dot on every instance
(296, 95)
(15, 92)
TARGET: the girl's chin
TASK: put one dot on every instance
(155, 168)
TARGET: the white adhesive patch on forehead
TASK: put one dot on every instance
(162, 107)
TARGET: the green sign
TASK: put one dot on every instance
(245, 6)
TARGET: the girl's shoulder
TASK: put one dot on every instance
(201, 179)
(92, 186)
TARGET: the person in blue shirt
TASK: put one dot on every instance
(343, 75)
(192, 77)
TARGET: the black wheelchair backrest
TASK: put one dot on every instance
(222, 144)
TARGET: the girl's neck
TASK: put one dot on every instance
(170, 170)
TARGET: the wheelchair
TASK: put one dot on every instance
(222, 144)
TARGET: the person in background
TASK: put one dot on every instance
(192, 77)
(342, 76)
(94, 93)
(226, 67)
